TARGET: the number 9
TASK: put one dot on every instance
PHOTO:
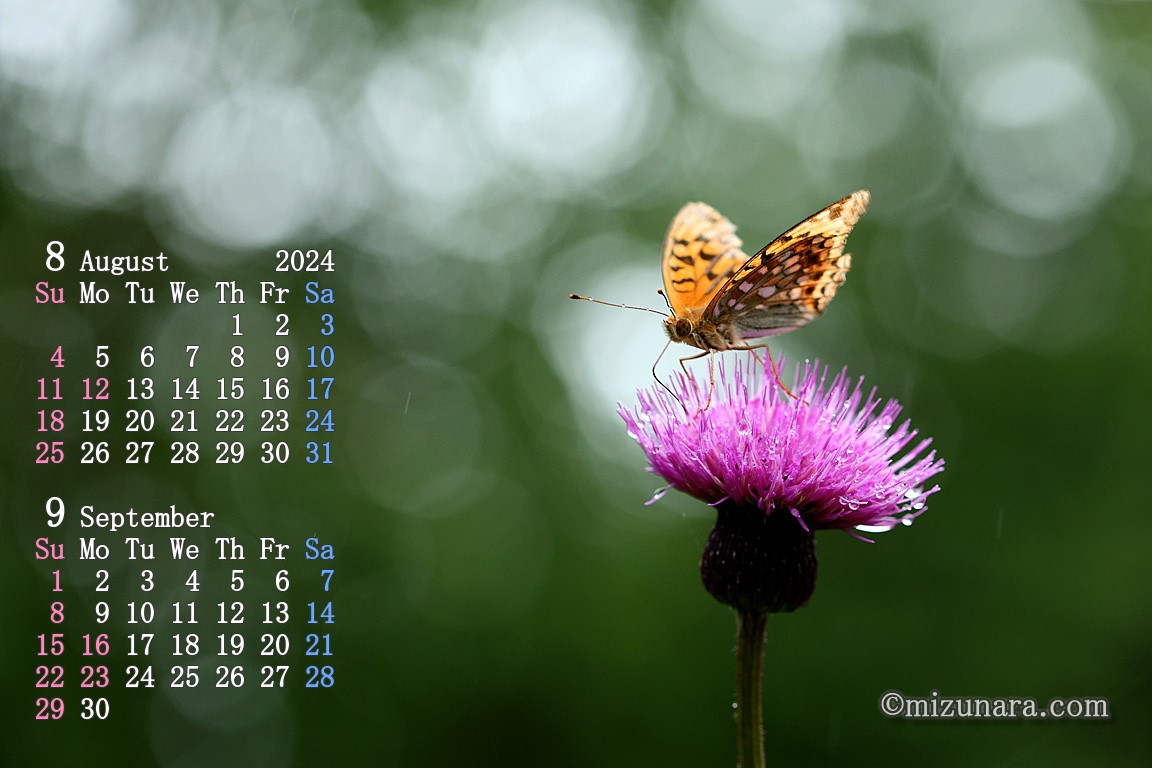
(55, 509)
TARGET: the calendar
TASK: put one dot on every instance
(173, 446)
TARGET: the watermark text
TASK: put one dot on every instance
(936, 706)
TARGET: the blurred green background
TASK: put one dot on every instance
(505, 596)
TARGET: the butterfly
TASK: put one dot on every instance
(720, 298)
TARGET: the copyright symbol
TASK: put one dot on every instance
(891, 703)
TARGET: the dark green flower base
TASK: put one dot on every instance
(759, 563)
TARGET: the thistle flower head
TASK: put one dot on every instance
(830, 457)
(777, 469)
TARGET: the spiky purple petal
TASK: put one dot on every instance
(831, 456)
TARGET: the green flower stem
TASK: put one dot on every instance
(750, 631)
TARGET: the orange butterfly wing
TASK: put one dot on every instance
(791, 280)
(701, 252)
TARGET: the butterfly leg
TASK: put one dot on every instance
(776, 373)
(771, 364)
(692, 357)
(711, 373)
(711, 377)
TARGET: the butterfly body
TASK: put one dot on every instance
(720, 297)
(700, 333)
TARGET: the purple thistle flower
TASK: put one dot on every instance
(826, 458)
(778, 469)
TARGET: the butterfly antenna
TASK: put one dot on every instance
(666, 301)
(610, 304)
